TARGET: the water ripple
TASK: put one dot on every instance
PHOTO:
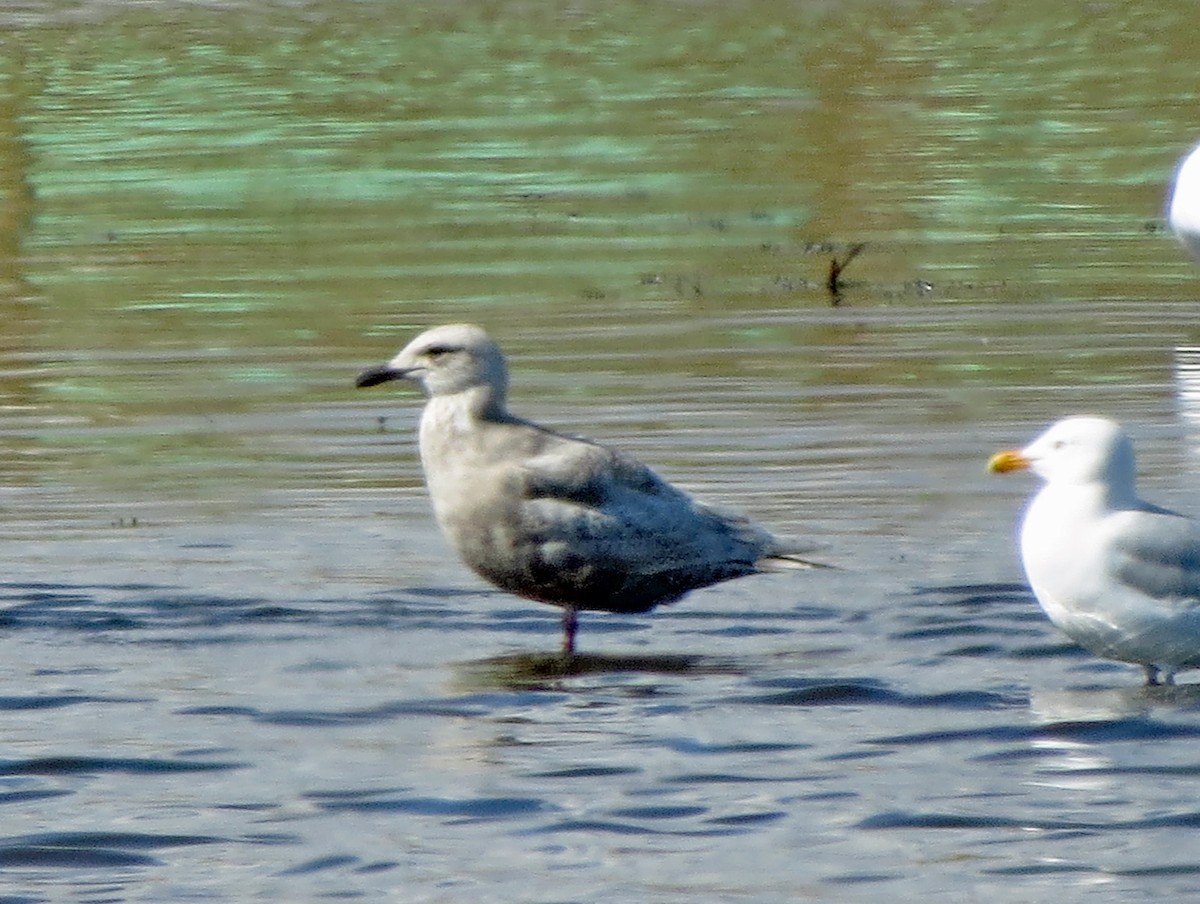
(901, 819)
(1099, 731)
(72, 765)
(56, 701)
(859, 691)
(140, 607)
(464, 708)
(91, 849)
(467, 809)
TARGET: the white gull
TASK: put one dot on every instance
(1120, 576)
(1183, 209)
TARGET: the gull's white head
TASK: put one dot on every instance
(446, 360)
(1075, 450)
(1183, 210)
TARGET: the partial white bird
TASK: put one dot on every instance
(1183, 215)
(1183, 210)
(1120, 576)
(554, 518)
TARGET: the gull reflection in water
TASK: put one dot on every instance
(1186, 368)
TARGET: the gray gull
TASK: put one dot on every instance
(1120, 576)
(554, 518)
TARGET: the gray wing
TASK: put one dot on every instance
(629, 503)
(568, 521)
(1157, 552)
(611, 530)
(581, 473)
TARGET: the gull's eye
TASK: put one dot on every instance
(437, 351)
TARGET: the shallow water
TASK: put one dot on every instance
(238, 661)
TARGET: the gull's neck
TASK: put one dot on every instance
(449, 414)
(454, 440)
(1069, 501)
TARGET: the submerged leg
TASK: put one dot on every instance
(570, 622)
(1156, 676)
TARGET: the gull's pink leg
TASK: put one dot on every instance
(570, 621)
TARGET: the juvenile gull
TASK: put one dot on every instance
(1119, 575)
(554, 518)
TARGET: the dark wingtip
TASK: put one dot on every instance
(373, 376)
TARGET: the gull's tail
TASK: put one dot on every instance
(789, 562)
(791, 555)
